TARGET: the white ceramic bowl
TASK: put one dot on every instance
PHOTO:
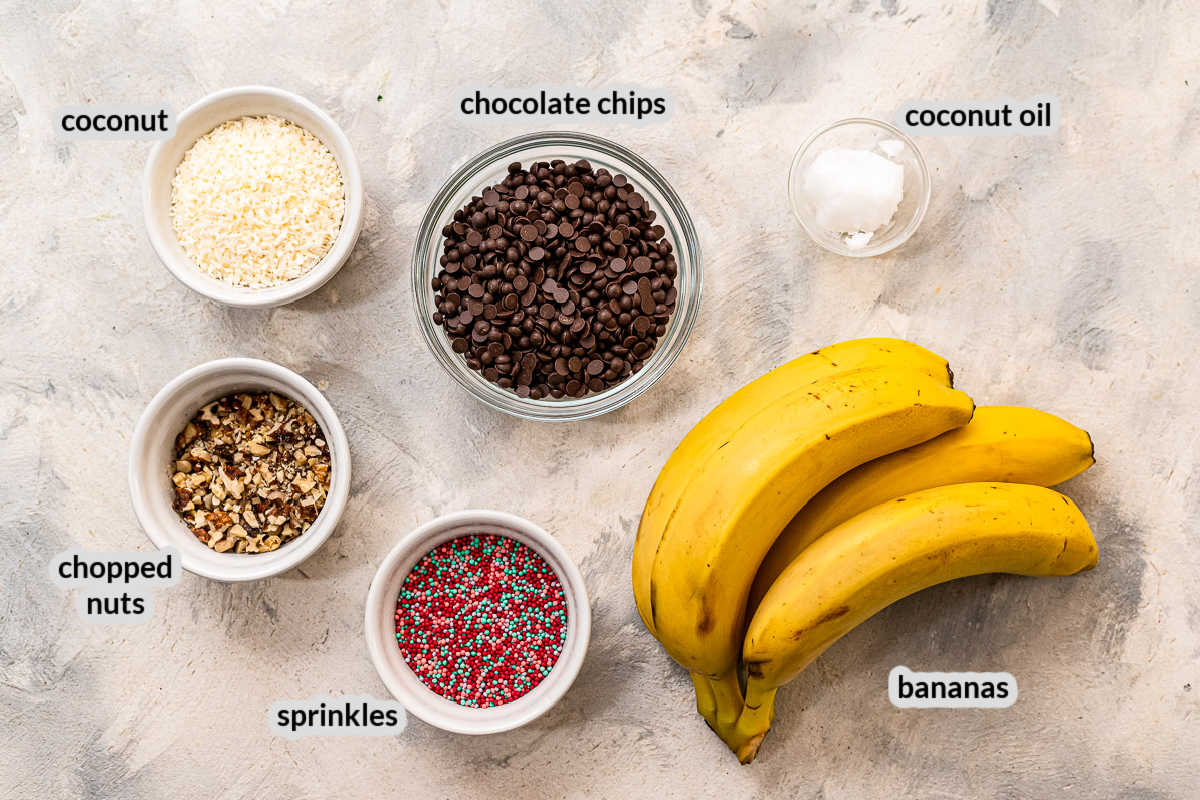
(860, 133)
(152, 452)
(198, 120)
(403, 683)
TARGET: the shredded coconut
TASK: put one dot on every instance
(257, 201)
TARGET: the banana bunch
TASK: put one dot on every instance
(824, 491)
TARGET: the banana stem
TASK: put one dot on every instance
(754, 722)
(706, 704)
(728, 694)
(719, 701)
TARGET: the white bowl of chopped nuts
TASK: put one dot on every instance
(242, 465)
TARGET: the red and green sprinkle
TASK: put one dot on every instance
(481, 620)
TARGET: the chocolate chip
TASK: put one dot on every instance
(644, 293)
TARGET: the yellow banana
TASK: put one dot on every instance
(713, 537)
(708, 434)
(1001, 443)
(889, 552)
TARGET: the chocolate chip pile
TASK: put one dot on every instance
(556, 281)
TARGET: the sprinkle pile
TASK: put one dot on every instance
(481, 620)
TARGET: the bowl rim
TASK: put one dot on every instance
(334, 139)
(922, 204)
(686, 242)
(424, 703)
(236, 567)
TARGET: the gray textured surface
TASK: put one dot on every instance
(1052, 272)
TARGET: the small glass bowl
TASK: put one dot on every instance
(860, 133)
(489, 168)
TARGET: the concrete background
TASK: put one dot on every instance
(1055, 272)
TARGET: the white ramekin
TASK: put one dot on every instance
(152, 452)
(403, 683)
(198, 120)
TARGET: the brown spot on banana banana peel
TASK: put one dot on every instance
(828, 616)
(706, 621)
(837, 612)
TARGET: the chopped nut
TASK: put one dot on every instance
(218, 520)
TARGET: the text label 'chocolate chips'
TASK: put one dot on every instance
(556, 281)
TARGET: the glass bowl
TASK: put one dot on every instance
(860, 133)
(489, 168)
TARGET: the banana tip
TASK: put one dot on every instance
(747, 752)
